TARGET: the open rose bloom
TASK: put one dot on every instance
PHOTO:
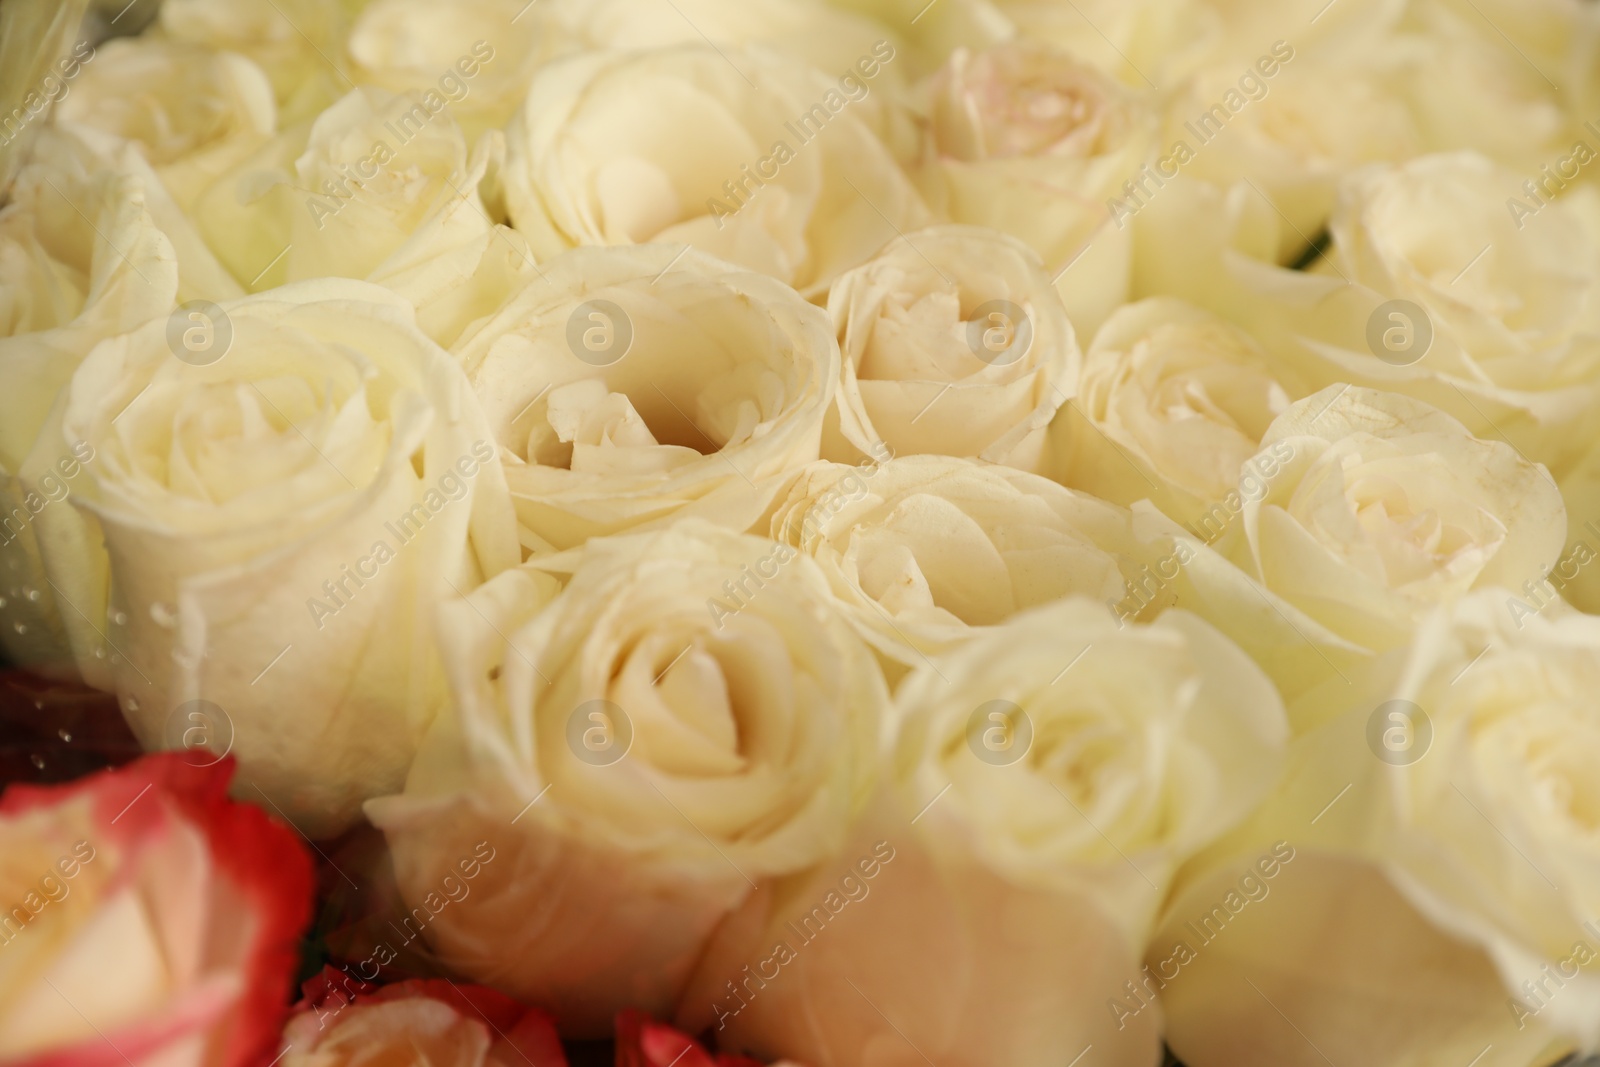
(822, 533)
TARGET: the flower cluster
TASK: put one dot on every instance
(855, 532)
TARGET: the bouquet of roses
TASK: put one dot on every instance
(856, 532)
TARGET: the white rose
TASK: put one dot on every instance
(1442, 885)
(90, 247)
(482, 53)
(1291, 123)
(380, 187)
(1046, 781)
(1131, 40)
(298, 43)
(925, 551)
(629, 385)
(1362, 512)
(934, 31)
(1446, 281)
(286, 485)
(1171, 403)
(815, 33)
(738, 152)
(1511, 80)
(1518, 329)
(194, 112)
(1030, 141)
(636, 769)
(958, 329)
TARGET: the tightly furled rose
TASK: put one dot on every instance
(629, 385)
(1444, 885)
(298, 475)
(1171, 403)
(1047, 778)
(637, 761)
(1362, 512)
(958, 318)
(742, 153)
(1032, 142)
(194, 112)
(148, 917)
(923, 551)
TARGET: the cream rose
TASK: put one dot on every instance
(935, 31)
(959, 329)
(923, 552)
(194, 112)
(1362, 512)
(1047, 778)
(1446, 281)
(826, 38)
(298, 43)
(1028, 140)
(1172, 401)
(380, 187)
(629, 385)
(286, 484)
(482, 53)
(1442, 883)
(1292, 124)
(1131, 40)
(1511, 80)
(638, 766)
(739, 152)
(90, 246)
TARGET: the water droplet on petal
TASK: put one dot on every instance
(65, 735)
(37, 760)
(20, 627)
(32, 594)
(120, 618)
(131, 703)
